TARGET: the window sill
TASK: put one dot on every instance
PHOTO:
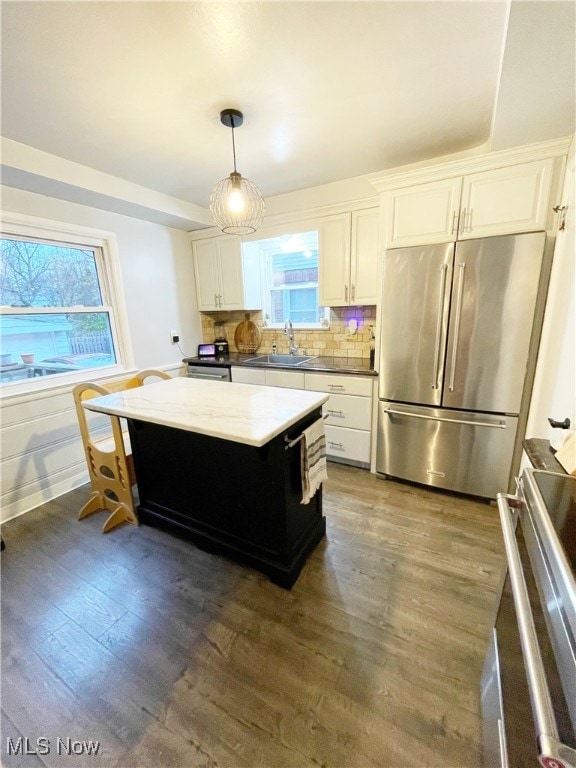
(52, 385)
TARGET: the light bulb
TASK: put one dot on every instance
(235, 201)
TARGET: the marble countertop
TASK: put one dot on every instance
(242, 413)
(323, 364)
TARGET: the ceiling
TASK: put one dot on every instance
(329, 90)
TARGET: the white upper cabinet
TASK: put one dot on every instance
(334, 260)
(506, 200)
(423, 214)
(348, 258)
(493, 202)
(364, 256)
(225, 277)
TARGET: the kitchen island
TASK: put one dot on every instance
(217, 462)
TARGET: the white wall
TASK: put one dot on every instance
(41, 452)
(554, 391)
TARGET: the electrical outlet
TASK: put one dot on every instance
(174, 337)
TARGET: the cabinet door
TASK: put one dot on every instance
(290, 379)
(206, 273)
(506, 200)
(334, 260)
(423, 214)
(231, 292)
(340, 385)
(364, 256)
(348, 445)
(348, 411)
(244, 375)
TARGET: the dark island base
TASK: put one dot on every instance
(228, 498)
(284, 576)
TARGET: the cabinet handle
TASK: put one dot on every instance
(336, 413)
(220, 300)
(336, 386)
(345, 293)
(353, 296)
(454, 222)
(462, 223)
(216, 300)
(469, 227)
(335, 445)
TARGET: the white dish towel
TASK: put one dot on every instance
(313, 459)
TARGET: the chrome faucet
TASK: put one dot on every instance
(288, 330)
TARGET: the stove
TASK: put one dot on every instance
(528, 688)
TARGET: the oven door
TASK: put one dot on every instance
(527, 683)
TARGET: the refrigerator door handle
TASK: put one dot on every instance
(498, 425)
(443, 271)
(461, 267)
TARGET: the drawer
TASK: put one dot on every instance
(241, 375)
(348, 444)
(290, 379)
(360, 386)
(349, 411)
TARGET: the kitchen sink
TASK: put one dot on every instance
(291, 360)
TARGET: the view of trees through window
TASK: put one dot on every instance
(37, 274)
(60, 282)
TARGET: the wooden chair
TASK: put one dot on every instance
(109, 459)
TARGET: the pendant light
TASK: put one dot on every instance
(236, 203)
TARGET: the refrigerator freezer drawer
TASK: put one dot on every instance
(457, 450)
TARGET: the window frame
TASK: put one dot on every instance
(105, 247)
(287, 229)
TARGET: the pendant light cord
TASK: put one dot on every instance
(233, 143)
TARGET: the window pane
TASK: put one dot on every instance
(300, 305)
(291, 290)
(49, 344)
(35, 274)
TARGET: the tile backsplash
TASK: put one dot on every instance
(337, 341)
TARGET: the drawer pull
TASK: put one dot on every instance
(335, 445)
(336, 386)
(336, 413)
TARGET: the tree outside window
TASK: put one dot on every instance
(53, 317)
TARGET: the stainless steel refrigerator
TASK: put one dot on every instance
(457, 328)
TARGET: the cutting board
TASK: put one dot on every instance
(247, 336)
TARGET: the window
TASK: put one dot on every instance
(56, 315)
(290, 272)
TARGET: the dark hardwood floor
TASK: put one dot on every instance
(169, 656)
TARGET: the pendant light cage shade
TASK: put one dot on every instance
(236, 204)
(248, 217)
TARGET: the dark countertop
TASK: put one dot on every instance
(356, 365)
(541, 455)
